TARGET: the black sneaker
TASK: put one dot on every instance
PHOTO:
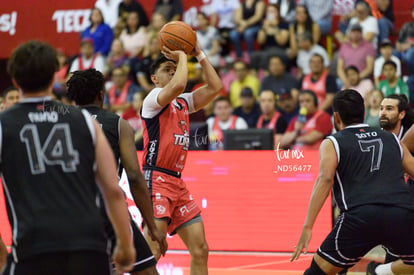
(371, 268)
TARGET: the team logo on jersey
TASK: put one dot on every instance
(178, 105)
(160, 209)
(182, 139)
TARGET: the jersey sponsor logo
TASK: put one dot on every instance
(187, 208)
(160, 209)
(43, 117)
(152, 148)
(182, 139)
(366, 134)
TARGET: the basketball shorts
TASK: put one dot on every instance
(359, 230)
(144, 256)
(58, 263)
(171, 200)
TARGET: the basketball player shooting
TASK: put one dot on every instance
(165, 113)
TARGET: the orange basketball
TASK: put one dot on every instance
(177, 35)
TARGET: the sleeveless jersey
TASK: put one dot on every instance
(217, 132)
(109, 123)
(166, 138)
(319, 87)
(369, 169)
(271, 124)
(308, 127)
(47, 163)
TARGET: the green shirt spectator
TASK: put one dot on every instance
(392, 83)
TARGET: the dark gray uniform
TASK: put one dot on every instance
(110, 124)
(376, 205)
(47, 164)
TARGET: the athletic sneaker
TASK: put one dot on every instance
(371, 268)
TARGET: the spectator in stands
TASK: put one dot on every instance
(386, 49)
(362, 86)
(151, 53)
(208, 38)
(320, 82)
(368, 23)
(119, 97)
(383, 12)
(62, 72)
(372, 109)
(321, 12)
(287, 106)
(271, 118)
(306, 50)
(287, 9)
(222, 120)
(157, 22)
(127, 6)
(100, 33)
(310, 127)
(243, 79)
(405, 44)
(109, 9)
(87, 59)
(303, 23)
(249, 110)
(273, 38)
(171, 9)
(248, 19)
(392, 84)
(117, 57)
(278, 79)
(10, 97)
(134, 36)
(132, 115)
(357, 52)
(222, 16)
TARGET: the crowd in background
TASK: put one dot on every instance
(276, 60)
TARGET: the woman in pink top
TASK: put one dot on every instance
(134, 36)
(362, 86)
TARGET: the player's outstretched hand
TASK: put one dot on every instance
(159, 237)
(124, 257)
(172, 55)
(304, 240)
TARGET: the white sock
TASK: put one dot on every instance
(384, 269)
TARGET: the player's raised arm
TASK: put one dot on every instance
(137, 183)
(171, 77)
(208, 92)
(124, 253)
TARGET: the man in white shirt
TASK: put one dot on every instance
(306, 50)
(386, 49)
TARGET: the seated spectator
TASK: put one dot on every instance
(87, 59)
(157, 22)
(209, 39)
(249, 110)
(357, 52)
(362, 86)
(372, 110)
(273, 38)
(392, 84)
(307, 130)
(386, 50)
(222, 120)
(382, 10)
(321, 13)
(151, 53)
(117, 57)
(62, 72)
(405, 44)
(287, 9)
(368, 23)
(119, 97)
(271, 118)
(127, 6)
(306, 50)
(222, 16)
(109, 10)
(303, 23)
(10, 97)
(243, 79)
(134, 36)
(320, 82)
(248, 19)
(287, 106)
(100, 33)
(171, 9)
(278, 79)
(132, 115)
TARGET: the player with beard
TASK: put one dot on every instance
(396, 115)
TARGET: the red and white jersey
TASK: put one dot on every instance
(166, 131)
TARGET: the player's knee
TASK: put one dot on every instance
(314, 269)
(200, 251)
